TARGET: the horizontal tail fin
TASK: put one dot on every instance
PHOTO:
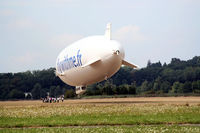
(128, 64)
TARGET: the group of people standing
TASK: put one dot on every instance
(53, 99)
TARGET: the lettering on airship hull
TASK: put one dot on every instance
(69, 62)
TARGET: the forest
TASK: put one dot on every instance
(179, 77)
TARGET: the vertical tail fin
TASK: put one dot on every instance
(108, 31)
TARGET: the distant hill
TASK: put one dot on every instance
(177, 77)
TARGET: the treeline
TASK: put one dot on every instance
(177, 77)
(38, 83)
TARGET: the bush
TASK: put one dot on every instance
(16, 94)
(70, 93)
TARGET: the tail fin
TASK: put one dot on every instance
(108, 31)
(129, 64)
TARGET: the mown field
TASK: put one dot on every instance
(166, 114)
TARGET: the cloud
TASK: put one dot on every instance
(6, 12)
(62, 1)
(21, 24)
(64, 39)
(15, 3)
(26, 59)
(129, 34)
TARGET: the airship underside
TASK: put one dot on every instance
(90, 60)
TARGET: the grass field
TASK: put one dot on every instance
(152, 114)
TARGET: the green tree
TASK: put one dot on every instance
(197, 90)
(52, 91)
(189, 74)
(132, 88)
(165, 87)
(43, 93)
(187, 87)
(123, 89)
(58, 91)
(36, 91)
(176, 87)
(145, 86)
(169, 75)
(198, 83)
(108, 88)
(16, 94)
(149, 63)
(93, 90)
(194, 86)
(157, 84)
(70, 93)
(180, 88)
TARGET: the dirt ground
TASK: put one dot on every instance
(134, 100)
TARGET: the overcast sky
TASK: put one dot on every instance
(33, 32)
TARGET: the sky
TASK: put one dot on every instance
(33, 32)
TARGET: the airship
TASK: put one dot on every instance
(90, 60)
